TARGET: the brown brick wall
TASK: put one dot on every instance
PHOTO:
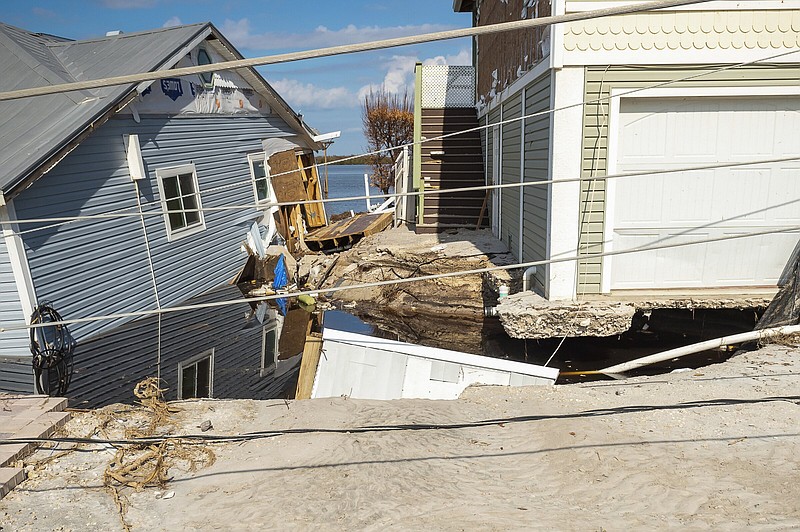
(508, 51)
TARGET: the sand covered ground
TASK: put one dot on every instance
(715, 448)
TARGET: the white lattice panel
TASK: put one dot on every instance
(447, 86)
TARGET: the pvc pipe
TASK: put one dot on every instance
(366, 188)
(699, 347)
(526, 278)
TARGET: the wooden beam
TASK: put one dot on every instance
(308, 366)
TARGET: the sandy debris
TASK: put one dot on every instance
(710, 448)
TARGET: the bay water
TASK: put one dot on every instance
(347, 180)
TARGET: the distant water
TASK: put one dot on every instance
(347, 181)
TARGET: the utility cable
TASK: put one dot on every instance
(346, 49)
(316, 292)
(152, 275)
(67, 219)
(121, 212)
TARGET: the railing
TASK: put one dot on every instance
(402, 183)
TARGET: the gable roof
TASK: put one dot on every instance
(37, 132)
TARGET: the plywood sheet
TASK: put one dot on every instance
(288, 187)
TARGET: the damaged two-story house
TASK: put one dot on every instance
(133, 198)
(701, 85)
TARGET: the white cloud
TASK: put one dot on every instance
(400, 71)
(241, 34)
(174, 21)
(303, 96)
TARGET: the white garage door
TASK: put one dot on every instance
(673, 208)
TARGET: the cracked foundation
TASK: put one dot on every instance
(529, 316)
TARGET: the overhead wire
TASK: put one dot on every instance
(389, 43)
(120, 213)
(266, 205)
(347, 49)
(315, 292)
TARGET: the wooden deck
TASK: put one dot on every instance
(347, 232)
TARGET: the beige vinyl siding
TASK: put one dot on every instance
(509, 223)
(599, 83)
(537, 151)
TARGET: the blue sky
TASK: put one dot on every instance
(325, 90)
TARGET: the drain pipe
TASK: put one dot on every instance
(527, 284)
(697, 348)
(527, 278)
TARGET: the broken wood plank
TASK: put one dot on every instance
(288, 187)
(315, 212)
(293, 333)
(349, 230)
(308, 366)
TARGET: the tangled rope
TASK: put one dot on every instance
(148, 464)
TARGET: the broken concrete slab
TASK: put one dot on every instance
(528, 315)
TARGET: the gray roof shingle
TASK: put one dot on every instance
(33, 129)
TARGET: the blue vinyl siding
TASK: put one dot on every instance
(100, 267)
(108, 366)
(15, 376)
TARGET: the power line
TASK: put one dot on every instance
(268, 205)
(600, 99)
(121, 212)
(184, 308)
(346, 49)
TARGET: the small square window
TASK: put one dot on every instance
(261, 181)
(180, 200)
(196, 376)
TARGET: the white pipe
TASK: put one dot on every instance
(366, 188)
(526, 278)
(699, 347)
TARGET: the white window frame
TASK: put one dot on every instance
(254, 157)
(268, 366)
(174, 171)
(193, 361)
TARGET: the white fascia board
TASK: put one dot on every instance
(557, 36)
(700, 92)
(721, 5)
(517, 86)
(679, 57)
(564, 212)
(433, 353)
(19, 261)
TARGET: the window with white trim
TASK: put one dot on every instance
(180, 200)
(204, 59)
(261, 182)
(196, 376)
(269, 349)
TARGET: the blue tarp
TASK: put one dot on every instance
(281, 281)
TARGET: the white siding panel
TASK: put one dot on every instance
(665, 134)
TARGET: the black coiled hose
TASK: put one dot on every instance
(52, 347)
